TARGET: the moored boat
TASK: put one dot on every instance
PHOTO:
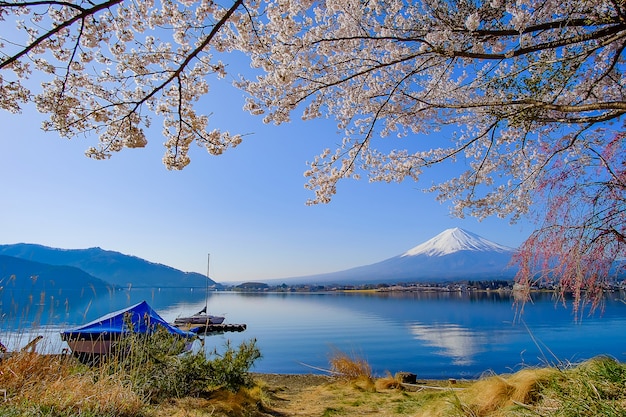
(201, 318)
(99, 336)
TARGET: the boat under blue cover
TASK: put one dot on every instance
(95, 338)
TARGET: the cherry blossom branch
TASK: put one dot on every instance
(83, 13)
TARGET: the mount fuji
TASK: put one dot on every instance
(453, 255)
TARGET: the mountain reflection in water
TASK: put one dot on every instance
(458, 343)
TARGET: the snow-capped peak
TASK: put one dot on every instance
(454, 240)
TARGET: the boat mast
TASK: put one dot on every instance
(206, 291)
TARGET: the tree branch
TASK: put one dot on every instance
(84, 13)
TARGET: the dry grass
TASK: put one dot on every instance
(349, 367)
(58, 386)
(498, 394)
(246, 402)
(388, 382)
(56, 382)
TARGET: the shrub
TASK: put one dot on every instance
(158, 366)
(230, 369)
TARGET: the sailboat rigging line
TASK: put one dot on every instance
(206, 290)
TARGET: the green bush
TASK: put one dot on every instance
(230, 369)
(158, 366)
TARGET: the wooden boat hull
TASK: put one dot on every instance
(82, 347)
(203, 319)
(202, 329)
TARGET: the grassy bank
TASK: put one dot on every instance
(47, 386)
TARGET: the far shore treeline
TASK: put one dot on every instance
(42, 285)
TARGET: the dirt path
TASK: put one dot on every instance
(318, 395)
(294, 395)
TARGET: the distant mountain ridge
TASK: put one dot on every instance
(39, 275)
(113, 267)
(453, 255)
(29, 283)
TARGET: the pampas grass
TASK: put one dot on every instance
(59, 383)
(350, 367)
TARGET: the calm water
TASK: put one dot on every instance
(436, 335)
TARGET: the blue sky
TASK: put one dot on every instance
(246, 207)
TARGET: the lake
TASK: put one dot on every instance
(435, 335)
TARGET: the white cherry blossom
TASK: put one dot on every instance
(528, 95)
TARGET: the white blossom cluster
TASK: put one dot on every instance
(527, 96)
(110, 67)
(523, 94)
(510, 78)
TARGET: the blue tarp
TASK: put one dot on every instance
(143, 318)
